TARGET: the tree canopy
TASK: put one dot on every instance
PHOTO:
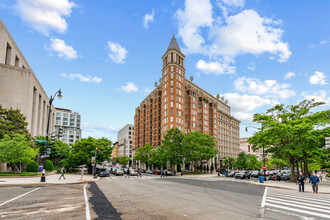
(12, 121)
(83, 151)
(16, 150)
(292, 132)
(143, 154)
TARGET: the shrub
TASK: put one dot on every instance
(49, 166)
(32, 166)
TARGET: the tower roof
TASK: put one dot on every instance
(174, 45)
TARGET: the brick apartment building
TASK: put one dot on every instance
(177, 102)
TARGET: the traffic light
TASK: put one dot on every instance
(60, 132)
(52, 139)
(266, 160)
(174, 155)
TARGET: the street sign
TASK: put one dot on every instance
(264, 167)
(218, 166)
(40, 141)
(45, 156)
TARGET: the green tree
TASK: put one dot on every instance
(16, 150)
(144, 153)
(198, 146)
(253, 163)
(241, 161)
(12, 121)
(291, 132)
(123, 160)
(159, 157)
(59, 150)
(277, 163)
(49, 166)
(172, 144)
(83, 151)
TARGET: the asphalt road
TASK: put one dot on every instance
(154, 198)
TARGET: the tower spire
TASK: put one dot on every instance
(174, 44)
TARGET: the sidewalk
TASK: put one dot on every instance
(324, 186)
(50, 180)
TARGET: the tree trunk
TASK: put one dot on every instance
(306, 168)
(301, 166)
(297, 165)
(292, 171)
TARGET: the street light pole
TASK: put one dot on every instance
(59, 95)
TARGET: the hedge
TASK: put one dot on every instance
(32, 166)
(49, 166)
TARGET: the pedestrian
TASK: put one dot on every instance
(62, 173)
(82, 173)
(181, 171)
(128, 174)
(314, 180)
(165, 173)
(321, 176)
(140, 173)
(162, 174)
(301, 181)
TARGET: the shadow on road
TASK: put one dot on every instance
(101, 204)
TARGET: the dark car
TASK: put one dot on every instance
(242, 174)
(286, 176)
(104, 173)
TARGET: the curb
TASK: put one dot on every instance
(46, 184)
(280, 187)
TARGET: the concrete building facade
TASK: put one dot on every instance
(125, 141)
(177, 102)
(20, 88)
(247, 148)
(70, 122)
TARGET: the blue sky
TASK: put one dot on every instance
(106, 55)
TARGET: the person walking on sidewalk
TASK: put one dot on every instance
(314, 180)
(128, 174)
(162, 174)
(82, 173)
(301, 181)
(62, 173)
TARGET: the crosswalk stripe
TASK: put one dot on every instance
(305, 195)
(297, 197)
(302, 203)
(299, 200)
(298, 210)
(290, 203)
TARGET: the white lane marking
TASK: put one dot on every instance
(289, 203)
(262, 210)
(297, 197)
(310, 202)
(88, 214)
(19, 196)
(301, 203)
(298, 210)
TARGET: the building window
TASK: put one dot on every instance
(171, 68)
(171, 111)
(171, 120)
(8, 54)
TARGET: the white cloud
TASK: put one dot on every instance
(234, 3)
(62, 50)
(318, 78)
(244, 116)
(117, 53)
(245, 103)
(45, 15)
(289, 75)
(252, 66)
(249, 33)
(130, 87)
(227, 36)
(215, 67)
(269, 88)
(320, 43)
(82, 78)
(320, 96)
(87, 127)
(196, 15)
(148, 18)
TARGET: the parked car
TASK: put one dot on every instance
(156, 172)
(119, 172)
(286, 176)
(256, 173)
(231, 174)
(169, 173)
(149, 172)
(104, 173)
(242, 174)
